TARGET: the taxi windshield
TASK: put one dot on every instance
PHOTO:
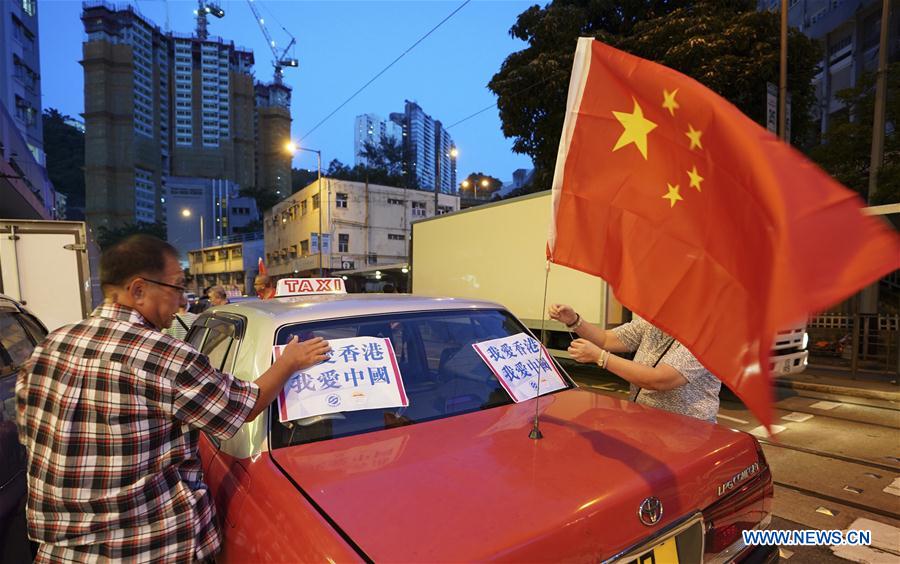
(442, 373)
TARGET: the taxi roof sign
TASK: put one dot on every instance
(309, 287)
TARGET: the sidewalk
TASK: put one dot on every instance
(834, 380)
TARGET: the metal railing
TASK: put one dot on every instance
(869, 342)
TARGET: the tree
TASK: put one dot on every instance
(265, 198)
(484, 185)
(107, 236)
(337, 169)
(846, 147)
(386, 154)
(362, 173)
(727, 45)
(301, 178)
(64, 146)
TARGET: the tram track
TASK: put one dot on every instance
(834, 456)
(839, 500)
(844, 400)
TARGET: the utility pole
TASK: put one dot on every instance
(880, 95)
(868, 297)
(782, 79)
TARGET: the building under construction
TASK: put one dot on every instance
(160, 106)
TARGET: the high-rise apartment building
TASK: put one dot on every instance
(428, 150)
(22, 161)
(371, 128)
(161, 105)
(849, 33)
(273, 115)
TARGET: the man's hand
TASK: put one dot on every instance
(302, 355)
(562, 313)
(295, 356)
(585, 351)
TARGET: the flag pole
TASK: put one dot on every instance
(536, 429)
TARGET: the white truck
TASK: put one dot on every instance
(46, 266)
(497, 252)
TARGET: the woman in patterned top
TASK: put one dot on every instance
(663, 374)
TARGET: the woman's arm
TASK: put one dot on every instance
(659, 378)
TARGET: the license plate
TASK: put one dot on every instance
(665, 553)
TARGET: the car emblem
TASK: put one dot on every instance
(651, 511)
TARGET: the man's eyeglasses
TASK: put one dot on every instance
(181, 289)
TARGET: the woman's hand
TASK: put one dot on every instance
(584, 351)
(562, 313)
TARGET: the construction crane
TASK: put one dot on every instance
(205, 8)
(278, 61)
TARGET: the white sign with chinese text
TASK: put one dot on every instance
(361, 374)
(519, 362)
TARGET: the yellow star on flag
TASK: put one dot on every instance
(696, 179)
(694, 136)
(669, 102)
(672, 195)
(636, 129)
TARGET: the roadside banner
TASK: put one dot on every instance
(362, 373)
(519, 362)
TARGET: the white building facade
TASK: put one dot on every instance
(364, 226)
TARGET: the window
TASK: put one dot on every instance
(220, 345)
(343, 242)
(303, 207)
(418, 209)
(304, 247)
(315, 201)
(430, 347)
(16, 344)
(341, 200)
(396, 202)
(28, 6)
(396, 237)
(444, 209)
(237, 252)
(372, 258)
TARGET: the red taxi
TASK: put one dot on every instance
(453, 475)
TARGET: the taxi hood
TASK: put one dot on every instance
(475, 487)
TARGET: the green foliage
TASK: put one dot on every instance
(386, 155)
(64, 146)
(484, 185)
(361, 173)
(846, 147)
(265, 198)
(301, 178)
(726, 44)
(109, 236)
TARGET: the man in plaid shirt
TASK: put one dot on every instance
(110, 410)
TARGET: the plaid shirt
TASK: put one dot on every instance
(110, 410)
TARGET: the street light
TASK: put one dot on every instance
(484, 184)
(186, 212)
(292, 148)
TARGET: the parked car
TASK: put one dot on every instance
(20, 332)
(454, 475)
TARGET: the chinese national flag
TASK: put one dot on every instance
(703, 222)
